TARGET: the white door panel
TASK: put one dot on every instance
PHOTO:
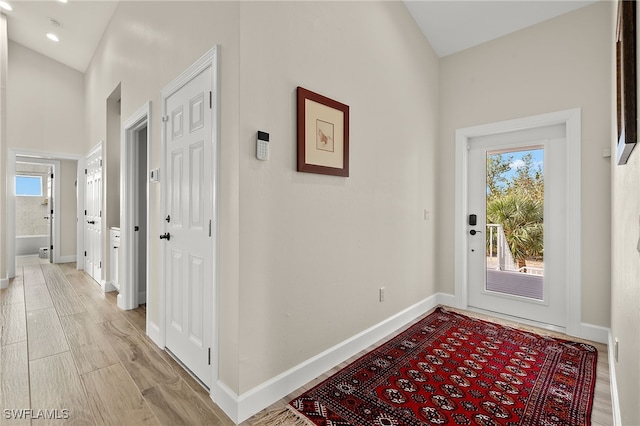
(189, 249)
(549, 307)
(93, 216)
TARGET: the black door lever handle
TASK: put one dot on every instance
(165, 236)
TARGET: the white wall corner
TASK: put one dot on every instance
(4, 283)
(595, 333)
(615, 401)
(240, 408)
(227, 400)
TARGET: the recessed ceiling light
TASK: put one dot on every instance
(53, 37)
(6, 6)
(62, 1)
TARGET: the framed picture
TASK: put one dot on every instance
(323, 134)
(626, 80)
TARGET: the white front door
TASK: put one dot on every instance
(516, 226)
(93, 216)
(189, 236)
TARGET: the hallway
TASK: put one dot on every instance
(67, 351)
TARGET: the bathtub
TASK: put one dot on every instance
(30, 244)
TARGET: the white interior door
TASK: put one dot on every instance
(499, 280)
(93, 216)
(188, 238)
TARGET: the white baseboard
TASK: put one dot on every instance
(4, 283)
(595, 333)
(153, 331)
(107, 286)
(240, 407)
(66, 259)
(615, 401)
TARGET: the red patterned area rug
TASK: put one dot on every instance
(449, 369)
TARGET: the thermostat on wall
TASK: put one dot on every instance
(154, 175)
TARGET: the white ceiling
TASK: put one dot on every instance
(449, 25)
(82, 24)
(452, 26)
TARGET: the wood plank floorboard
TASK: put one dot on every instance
(142, 362)
(97, 306)
(66, 301)
(173, 405)
(88, 342)
(12, 324)
(45, 335)
(55, 385)
(14, 386)
(14, 293)
(115, 399)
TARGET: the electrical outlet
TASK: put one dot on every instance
(615, 349)
(382, 294)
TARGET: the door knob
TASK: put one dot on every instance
(91, 222)
(165, 236)
(474, 232)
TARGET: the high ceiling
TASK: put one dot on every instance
(82, 24)
(450, 25)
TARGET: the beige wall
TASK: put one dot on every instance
(45, 104)
(559, 64)
(314, 249)
(68, 207)
(625, 277)
(301, 255)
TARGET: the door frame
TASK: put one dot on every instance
(209, 59)
(572, 120)
(45, 158)
(128, 297)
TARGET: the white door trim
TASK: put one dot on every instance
(572, 119)
(127, 298)
(35, 157)
(210, 59)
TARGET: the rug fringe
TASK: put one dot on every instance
(285, 416)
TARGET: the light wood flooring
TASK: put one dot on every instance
(64, 345)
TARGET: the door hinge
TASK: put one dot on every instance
(100, 264)
(165, 118)
(210, 100)
(209, 356)
(209, 227)
(52, 247)
(100, 215)
(85, 253)
(51, 211)
(85, 212)
(86, 171)
(100, 163)
(51, 175)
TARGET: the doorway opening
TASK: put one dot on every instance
(135, 210)
(38, 219)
